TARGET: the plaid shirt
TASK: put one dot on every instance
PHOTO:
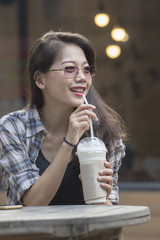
(21, 136)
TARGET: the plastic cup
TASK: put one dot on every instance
(92, 155)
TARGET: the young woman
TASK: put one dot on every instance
(38, 143)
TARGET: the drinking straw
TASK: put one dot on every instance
(91, 125)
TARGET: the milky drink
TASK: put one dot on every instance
(91, 152)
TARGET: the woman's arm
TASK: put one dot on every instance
(44, 189)
(42, 192)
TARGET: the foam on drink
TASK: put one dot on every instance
(87, 145)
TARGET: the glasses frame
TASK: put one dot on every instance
(76, 71)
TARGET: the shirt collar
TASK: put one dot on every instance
(34, 124)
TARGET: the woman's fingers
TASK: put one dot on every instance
(83, 115)
(106, 182)
(106, 178)
(106, 187)
(107, 164)
(84, 112)
(85, 106)
(86, 109)
(80, 119)
(107, 170)
(80, 177)
(79, 122)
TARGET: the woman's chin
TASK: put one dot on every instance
(78, 103)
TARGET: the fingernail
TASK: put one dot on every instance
(101, 171)
(99, 178)
(93, 106)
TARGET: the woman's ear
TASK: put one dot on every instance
(39, 79)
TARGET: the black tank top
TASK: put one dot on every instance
(70, 191)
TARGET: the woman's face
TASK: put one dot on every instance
(64, 89)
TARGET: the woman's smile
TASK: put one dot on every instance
(78, 91)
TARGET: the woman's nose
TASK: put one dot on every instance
(80, 75)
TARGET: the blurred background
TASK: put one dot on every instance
(127, 42)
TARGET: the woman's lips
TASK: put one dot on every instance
(77, 94)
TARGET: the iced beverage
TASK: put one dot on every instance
(92, 155)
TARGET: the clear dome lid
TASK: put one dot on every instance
(91, 144)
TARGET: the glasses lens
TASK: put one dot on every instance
(87, 71)
(70, 71)
(92, 70)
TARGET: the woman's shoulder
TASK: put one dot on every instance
(19, 117)
(12, 118)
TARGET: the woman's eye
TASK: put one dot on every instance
(87, 69)
(69, 69)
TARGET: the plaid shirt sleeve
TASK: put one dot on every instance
(19, 172)
(114, 156)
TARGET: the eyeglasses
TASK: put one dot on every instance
(73, 71)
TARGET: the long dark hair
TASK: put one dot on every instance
(43, 54)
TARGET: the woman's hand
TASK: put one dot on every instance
(106, 178)
(79, 122)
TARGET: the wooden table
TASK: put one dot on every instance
(70, 222)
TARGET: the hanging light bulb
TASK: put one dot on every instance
(101, 19)
(113, 51)
(126, 38)
(119, 34)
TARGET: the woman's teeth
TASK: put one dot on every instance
(78, 90)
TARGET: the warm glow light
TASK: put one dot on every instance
(119, 34)
(126, 38)
(101, 19)
(113, 51)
